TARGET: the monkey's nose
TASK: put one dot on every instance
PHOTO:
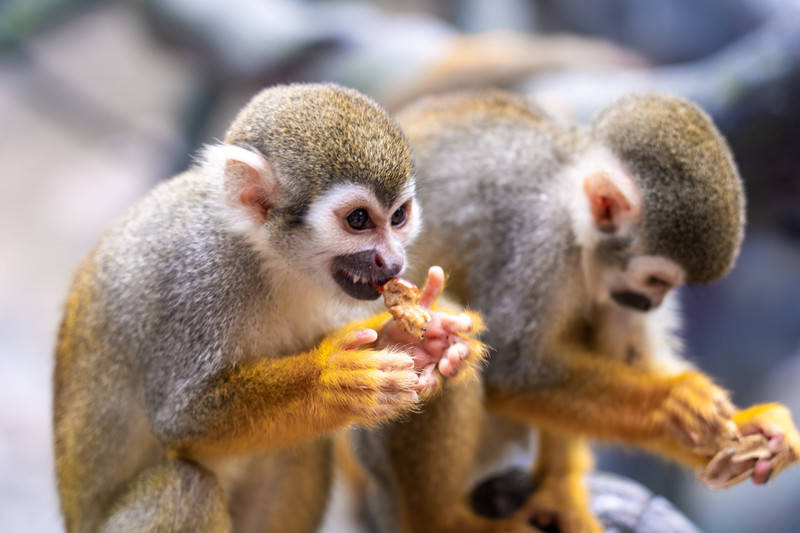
(372, 264)
(386, 270)
(394, 269)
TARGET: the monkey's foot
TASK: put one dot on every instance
(699, 414)
(774, 422)
(561, 504)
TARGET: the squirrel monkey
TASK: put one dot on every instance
(570, 243)
(196, 375)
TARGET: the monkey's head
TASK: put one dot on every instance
(664, 196)
(324, 178)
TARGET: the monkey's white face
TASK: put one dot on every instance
(644, 283)
(358, 243)
(606, 209)
(351, 242)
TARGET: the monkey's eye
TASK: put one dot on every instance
(399, 216)
(359, 219)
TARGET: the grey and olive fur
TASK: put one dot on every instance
(677, 154)
(510, 246)
(172, 323)
(360, 143)
(496, 178)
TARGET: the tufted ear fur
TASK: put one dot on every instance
(609, 205)
(250, 182)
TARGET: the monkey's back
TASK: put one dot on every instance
(145, 302)
(486, 177)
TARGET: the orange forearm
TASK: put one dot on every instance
(604, 399)
(274, 402)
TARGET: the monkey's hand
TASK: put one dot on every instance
(699, 414)
(774, 422)
(445, 345)
(368, 386)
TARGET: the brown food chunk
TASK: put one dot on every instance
(730, 465)
(402, 297)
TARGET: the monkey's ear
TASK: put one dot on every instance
(609, 205)
(250, 182)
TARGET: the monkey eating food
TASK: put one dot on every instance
(216, 335)
(762, 446)
(571, 242)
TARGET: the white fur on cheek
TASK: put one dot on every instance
(325, 217)
(642, 267)
(330, 236)
(413, 225)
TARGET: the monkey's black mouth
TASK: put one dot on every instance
(361, 274)
(631, 299)
(357, 286)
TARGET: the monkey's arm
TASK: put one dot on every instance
(681, 416)
(273, 402)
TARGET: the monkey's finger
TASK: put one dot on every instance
(689, 437)
(447, 368)
(397, 381)
(456, 353)
(358, 338)
(386, 406)
(435, 347)
(393, 397)
(725, 406)
(427, 377)
(393, 360)
(433, 286)
(461, 323)
(775, 444)
(762, 472)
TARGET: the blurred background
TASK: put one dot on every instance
(101, 100)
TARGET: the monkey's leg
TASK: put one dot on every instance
(561, 496)
(430, 456)
(285, 491)
(176, 496)
(682, 416)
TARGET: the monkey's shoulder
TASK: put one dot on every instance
(173, 255)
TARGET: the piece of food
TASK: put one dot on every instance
(402, 299)
(736, 461)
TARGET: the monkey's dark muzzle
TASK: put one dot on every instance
(360, 274)
(631, 299)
